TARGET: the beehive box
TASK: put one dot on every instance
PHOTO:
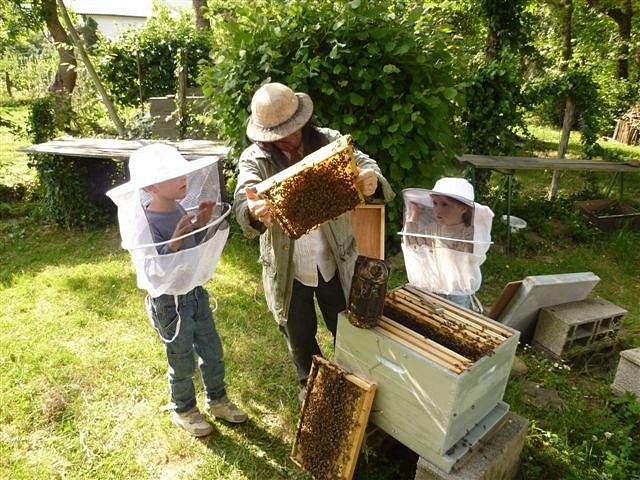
(574, 326)
(609, 214)
(318, 188)
(627, 377)
(333, 419)
(441, 372)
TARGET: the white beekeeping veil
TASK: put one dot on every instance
(179, 272)
(446, 236)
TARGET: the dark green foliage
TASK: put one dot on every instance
(72, 189)
(371, 72)
(142, 62)
(493, 111)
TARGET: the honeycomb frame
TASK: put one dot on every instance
(319, 188)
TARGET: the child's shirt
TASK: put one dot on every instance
(162, 226)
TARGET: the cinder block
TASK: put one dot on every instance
(497, 458)
(541, 291)
(627, 377)
(577, 324)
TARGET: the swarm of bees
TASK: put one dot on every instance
(319, 189)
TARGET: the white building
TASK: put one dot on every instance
(116, 15)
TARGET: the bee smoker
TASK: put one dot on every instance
(368, 289)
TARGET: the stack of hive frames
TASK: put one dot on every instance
(333, 419)
(318, 188)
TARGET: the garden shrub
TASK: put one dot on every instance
(143, 61)
(371, 71)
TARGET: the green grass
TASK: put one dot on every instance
(13, 164)
(84, 375)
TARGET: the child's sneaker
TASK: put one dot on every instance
(227, 410)
(193, 422)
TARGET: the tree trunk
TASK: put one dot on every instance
(623, 16)
(91, 71)
(567, 124)
(65, 77)
(201, 22)
(566, 34)
(566, 17)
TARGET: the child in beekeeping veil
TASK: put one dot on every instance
(173, 224)
(445, 239)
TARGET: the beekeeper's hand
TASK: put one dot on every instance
(183, 227)
(258, 207)
(205, 210)
(367, 181)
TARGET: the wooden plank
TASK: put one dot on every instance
(505, 297)
(345, 454)
(473, 317)
(118, 149)
(367, 222)
(427, 347)
(412, 310)
(534, 163)
(458, 315)
(421, 338)
(431, 355)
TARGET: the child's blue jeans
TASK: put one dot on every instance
(197, 334)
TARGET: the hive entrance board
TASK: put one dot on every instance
(332, 422)
(318, 188)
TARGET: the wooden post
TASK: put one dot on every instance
(7, 81)
(181, 94)
(90, 70)
(567, 123)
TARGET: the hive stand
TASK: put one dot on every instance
(582, 324)
(627, 377)
(496, 458)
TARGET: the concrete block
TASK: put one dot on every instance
(496, 458)
(627, 377)
(541, 291)
(577, 324)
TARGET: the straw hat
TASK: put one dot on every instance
(158, 162)
(277, 112)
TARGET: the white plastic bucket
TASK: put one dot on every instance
(515, 223)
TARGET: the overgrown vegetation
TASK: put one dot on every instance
(142, 62)
(381, 98)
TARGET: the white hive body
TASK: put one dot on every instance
(432, 399)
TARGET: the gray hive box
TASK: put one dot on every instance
(627, 377)
(438, 404)
(541, 291)
(577, 324)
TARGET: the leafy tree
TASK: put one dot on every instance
(142, 62)
(379, 73)
(25, 16)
